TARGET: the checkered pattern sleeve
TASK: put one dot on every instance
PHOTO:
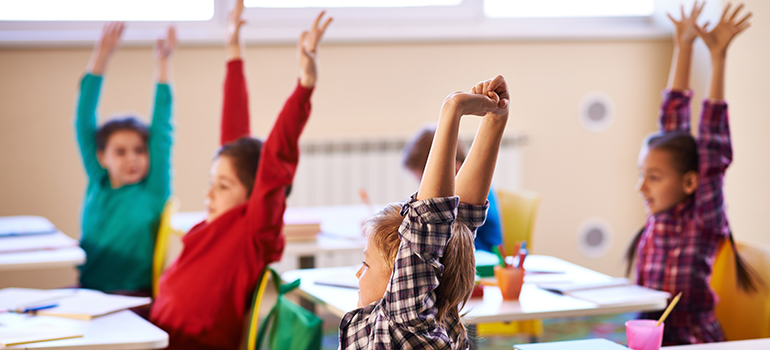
(472, 216)
(675, 111)
(715, 154)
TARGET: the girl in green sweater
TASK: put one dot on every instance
(129, 176)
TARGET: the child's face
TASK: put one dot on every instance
(373, 276)
(125, 158)
(225, 189)
(660, 184)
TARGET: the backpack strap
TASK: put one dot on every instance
(281, 289)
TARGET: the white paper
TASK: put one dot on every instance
(93, 303)
(20, 298)
(24, 225)
(33, 334)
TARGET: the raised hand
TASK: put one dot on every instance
(233, 36)
(719, 38)
(164, 47)
(686, 29)
(306, 51)
(105, 47)
(489, 98)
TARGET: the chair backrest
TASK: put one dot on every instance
(165, 232)
(742, 315)
(518, 211)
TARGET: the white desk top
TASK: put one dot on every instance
(340, 226)
(42, 259)
(122, 330)
(754, 344)
(533, 303)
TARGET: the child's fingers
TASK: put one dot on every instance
(681, 11)
(724, 13)
(323, 29)
(671, 17)
(301, 44)
(317, 20)
(735, 13)
(744, 19)
(742, 28)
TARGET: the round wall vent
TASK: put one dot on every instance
(596, 111)
(594, 238)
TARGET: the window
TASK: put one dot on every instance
(107, 10)
(567, 8)
(348, 3)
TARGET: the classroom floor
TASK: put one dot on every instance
(608, 326)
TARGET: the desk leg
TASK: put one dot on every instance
(307, 262)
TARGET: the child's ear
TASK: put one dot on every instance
(690, 183)
(100, 158)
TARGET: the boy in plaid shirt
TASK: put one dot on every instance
(681, 183)
(419, 264)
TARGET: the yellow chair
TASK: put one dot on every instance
(518, 211)
(742, 315)
(165, 232)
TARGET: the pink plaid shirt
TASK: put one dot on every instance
(405, 318)
(678, 246)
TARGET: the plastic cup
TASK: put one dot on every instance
(510, 281)
(644, 335)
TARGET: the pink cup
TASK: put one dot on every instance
(644, 335)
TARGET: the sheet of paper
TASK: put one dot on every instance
(87, 303)
(55, 240)
(19, 298)
(568, 287)
(34, 334)
(619, 295)
(24, 225)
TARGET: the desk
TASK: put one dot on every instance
(754, 344)
(122, 330)
(340, 242)
(40, 251)
(534, 303)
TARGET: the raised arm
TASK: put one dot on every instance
(235, 107)
(675, 109)
(715, 147)
(475, 176)
(161, 129)
(278, 162)
(88, 99)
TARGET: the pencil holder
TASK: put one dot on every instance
(509, 280)
(644, 334)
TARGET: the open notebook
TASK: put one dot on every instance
(81, 304)
(10, 336)
(25, 225)
(612, 292)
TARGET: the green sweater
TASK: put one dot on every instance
(119, 225)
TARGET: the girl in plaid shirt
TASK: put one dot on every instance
(681, 183)
(419, 264)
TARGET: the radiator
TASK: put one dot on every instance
(332, 172)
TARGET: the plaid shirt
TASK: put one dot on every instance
(678, 246)
(405, 317)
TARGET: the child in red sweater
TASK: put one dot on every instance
(205, 294)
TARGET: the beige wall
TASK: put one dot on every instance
(368, 90)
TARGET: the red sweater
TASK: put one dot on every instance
(205, 294)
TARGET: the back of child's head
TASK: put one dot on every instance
(416, 151)
(120, 124)
(680, 145)
(244, 154)
(457, 279)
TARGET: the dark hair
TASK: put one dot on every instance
(120, 124)
(244, 153)
(417, 149)
(683, 148)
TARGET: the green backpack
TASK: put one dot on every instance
(291, 326)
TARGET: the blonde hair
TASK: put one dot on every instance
(455, 284)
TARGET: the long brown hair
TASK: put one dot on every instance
(455, 283)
